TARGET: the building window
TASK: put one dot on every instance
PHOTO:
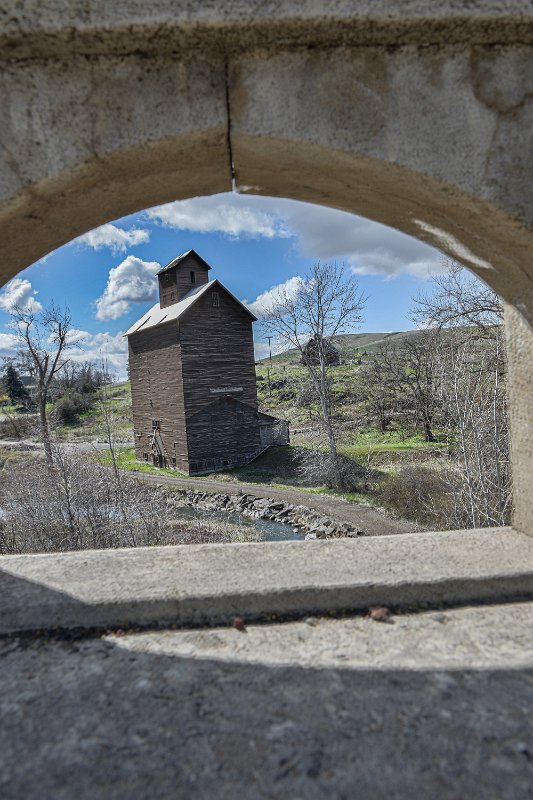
(156, 424)
(215, 299)
(172, 296)
(193, 277)
(145, 456)
(174, 461)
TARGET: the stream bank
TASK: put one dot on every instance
(307, 522)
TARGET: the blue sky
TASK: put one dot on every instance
(253, 244)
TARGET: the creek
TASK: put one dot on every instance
(270, 531)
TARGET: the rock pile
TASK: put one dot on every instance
(302, 519)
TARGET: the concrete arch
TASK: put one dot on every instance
(402, 118)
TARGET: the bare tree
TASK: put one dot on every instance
(418, 376)
(377, 386)
(457, 298)
(478, 480)
(44, 339)
(471, 358)
(326, 302)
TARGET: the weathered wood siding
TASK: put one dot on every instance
(217, 359)
(157, 394)
(176, 282)
(274, 432)
(168, 290)
(222, 434)
(196, 376)
(183, 278)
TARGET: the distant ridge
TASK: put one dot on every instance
(350, 345)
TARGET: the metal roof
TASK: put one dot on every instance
(178, 259)
(159, 316)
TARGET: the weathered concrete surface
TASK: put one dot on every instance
(209, 584)
(32, 29)
(519, 337)
(483, 637)
(436, 143)
(84, 140)
(340, 710)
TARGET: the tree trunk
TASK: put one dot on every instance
(428, 433)
(45, 430)
(324, 398)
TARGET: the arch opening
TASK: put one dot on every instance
(159, 215)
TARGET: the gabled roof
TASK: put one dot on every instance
(178, 259)
(159, 316)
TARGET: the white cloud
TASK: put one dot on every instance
(368, 247)
(78, 337)
(231, 214)
(101, 347)
(263, 349)
(133, 281)
(19, 293)
(269, 299)
(117, 239)
(8, 344)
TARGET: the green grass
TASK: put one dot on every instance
(11, 409)
(125, 459)
(359, 444)
(241, 475)
(349, 345)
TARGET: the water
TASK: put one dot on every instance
(270, 531)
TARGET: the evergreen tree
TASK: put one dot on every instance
(14, 388)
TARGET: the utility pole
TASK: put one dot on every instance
(268, 368)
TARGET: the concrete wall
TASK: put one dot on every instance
(417, 116)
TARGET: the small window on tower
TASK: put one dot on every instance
(193, 277)
(215, 300)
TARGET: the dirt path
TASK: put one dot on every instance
(373, 522)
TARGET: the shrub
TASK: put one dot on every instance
(69, 407)
(16, 426)
(417, 493)
(315, 467)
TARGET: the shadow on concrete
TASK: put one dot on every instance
(95, 719)
(22, 599)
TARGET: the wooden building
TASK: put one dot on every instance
(311, 353)
(192, 372)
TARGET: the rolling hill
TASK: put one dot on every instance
(350, 345)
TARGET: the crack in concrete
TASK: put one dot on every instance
(228, 128)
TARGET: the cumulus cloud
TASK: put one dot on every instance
(133, 281)
(231, 214)
(320, 233)
(368, 247)
(99, 347)
(116, 239)
(263, 349)
(269, 299)
(77, 337)
(19, 293)
(8, 344)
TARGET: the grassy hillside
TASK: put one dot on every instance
(350, 345)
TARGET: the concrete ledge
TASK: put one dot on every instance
(209, 584)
